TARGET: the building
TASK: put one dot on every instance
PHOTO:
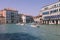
(38, 19)
(25, 18)
(51, 13)
(9, 16)
(29, 19)
(2, 20)
(20, 18)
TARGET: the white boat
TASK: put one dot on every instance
(20, 24)
(35, 25)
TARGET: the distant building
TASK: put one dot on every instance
(2, 20)
(38, 19)
(29, 19)
(20, 18)
(51, 13)
(25, 18)
(9, 16)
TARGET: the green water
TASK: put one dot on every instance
(44, 32)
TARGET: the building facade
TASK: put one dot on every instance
(38, 19)
(51, 13)
(24, 18)
(10, 15)
(20, 18)
(27, 18)
(2, 20)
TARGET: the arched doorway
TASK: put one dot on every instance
(47, 21)
(56, 21)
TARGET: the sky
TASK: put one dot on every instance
(29, 7)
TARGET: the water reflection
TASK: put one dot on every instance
(17, 36)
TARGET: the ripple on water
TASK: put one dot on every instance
(17, 36)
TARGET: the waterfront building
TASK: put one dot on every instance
(38, 19)
(27, 18)
(2, 20)
(20, 18)
(9, 15)
(51, 13)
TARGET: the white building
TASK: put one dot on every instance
(38, 19)
(24, 18)
(51, 13)
(27, 18)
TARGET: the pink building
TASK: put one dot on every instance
(10, 16)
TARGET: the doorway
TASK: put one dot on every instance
(56, 21)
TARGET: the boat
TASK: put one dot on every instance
(35, 25)
(20, 24)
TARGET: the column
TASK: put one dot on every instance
(58, 21)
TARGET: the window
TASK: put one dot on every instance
(53, 21)
(12, 16)
(59, 5)
(12, 21)
(46, 8)
(6, 21)
(54, 5)
(59, 9)
(45, 13)
(53, 11)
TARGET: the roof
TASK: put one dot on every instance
(50, 4)
(8, 9)
(25, 15)
(38, 16)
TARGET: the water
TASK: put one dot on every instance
(26, 32)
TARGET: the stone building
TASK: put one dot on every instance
(25, 18)
(51, 13)
(9, 15)
(38, 19)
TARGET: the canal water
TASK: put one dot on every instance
(26, 32)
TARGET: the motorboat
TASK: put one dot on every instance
(35, 25)
(20, 24)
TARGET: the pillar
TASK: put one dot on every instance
(58, 21)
